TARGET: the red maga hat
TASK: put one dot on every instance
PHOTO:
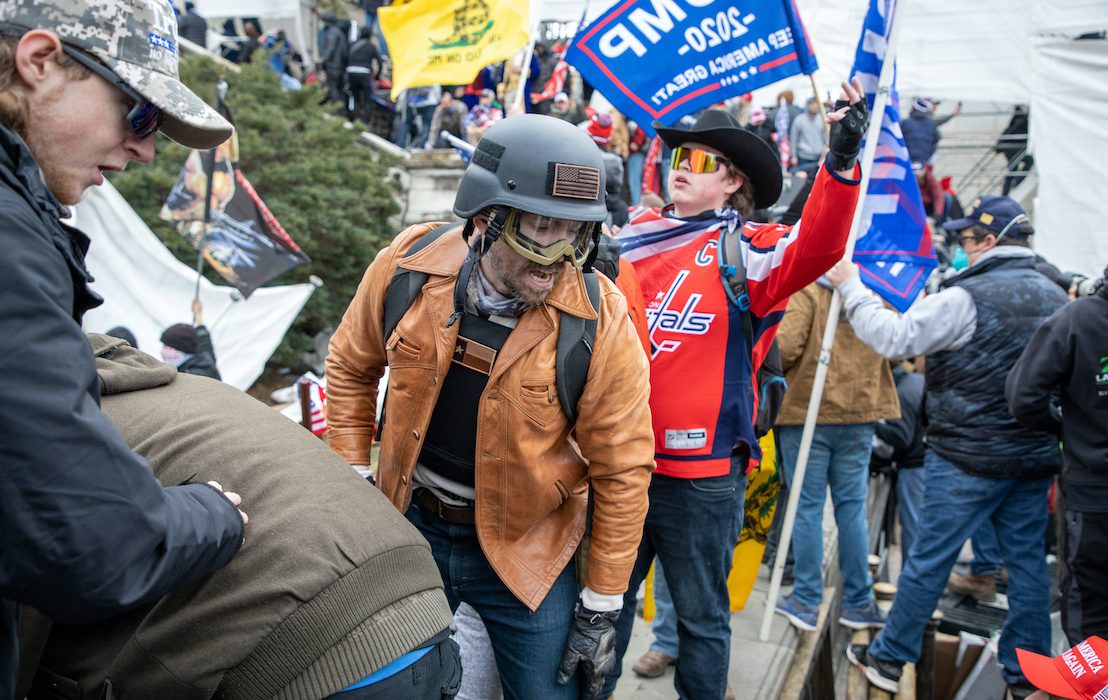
(1078, 674)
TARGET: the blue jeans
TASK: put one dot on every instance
(691, 526)
(986, 550)
(635, 163)
(435, 674)
(528, 646)
(909, 495)
(665, 617)
(956, 504)
(840, 459)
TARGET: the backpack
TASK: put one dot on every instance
(575, 334)
(769, 379)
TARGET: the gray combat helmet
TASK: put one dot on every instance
(536, 164)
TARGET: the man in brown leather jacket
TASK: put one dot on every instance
(476, 447)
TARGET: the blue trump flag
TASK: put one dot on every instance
(663, 59)
(894, 251)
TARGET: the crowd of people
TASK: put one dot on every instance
(355, 68)
(570, 398)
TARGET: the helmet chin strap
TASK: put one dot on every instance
(477, 249)
(595, 238)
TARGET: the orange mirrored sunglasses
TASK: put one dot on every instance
(699, 161)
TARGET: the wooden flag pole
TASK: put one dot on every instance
(525, 69)
(822, 108)
(220, 94)
(796, 484)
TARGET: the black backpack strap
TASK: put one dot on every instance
(405, 285)
(732, 272)
(576, 336)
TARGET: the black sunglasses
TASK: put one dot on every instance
(144, 118)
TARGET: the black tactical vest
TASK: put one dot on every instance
(451, 444)
(968, 418)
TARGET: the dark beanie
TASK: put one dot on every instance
(180, 336)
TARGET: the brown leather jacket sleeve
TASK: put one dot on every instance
(356, 359)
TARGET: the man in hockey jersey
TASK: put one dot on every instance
(702, 360)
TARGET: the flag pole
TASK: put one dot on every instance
(220, 94)
(822, 109)
(207, 222)
(796, 485)
(525, 69)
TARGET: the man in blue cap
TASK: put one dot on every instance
(981, 464)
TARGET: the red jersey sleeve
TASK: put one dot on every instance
(781, 260)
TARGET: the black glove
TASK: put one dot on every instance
(846, 135)
(591, 646)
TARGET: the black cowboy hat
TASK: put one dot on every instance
(746, 151)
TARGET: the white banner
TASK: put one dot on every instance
(146, 290)
(1068, 105)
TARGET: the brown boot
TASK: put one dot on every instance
(980, 587)
(652, 664)
(729, 694)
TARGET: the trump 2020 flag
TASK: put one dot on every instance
(662, 59)
(894, 251)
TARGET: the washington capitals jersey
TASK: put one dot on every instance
(701, 396)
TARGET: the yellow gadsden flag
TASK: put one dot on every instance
(448, 41)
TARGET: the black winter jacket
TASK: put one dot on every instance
(1069, 354)
(968, 418)
(905, 434)
(85, 528)
(202, 363)
(921, 136)
(364, 54)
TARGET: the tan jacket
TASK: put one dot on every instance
(860, 385)
(531, 485)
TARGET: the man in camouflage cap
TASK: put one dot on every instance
(86, 531)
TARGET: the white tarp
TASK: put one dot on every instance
(291, 15)
(265, 9)
(1068, 105)
(146, 289)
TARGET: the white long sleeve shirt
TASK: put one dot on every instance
(943, 321)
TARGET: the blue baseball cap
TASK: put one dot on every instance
(1001, 215)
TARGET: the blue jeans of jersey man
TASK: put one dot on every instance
(955, 504)
(839, 459)
(528, 646)
(692, 526)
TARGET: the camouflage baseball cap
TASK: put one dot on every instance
(137, 40)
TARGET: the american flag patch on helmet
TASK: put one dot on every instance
(573, 181)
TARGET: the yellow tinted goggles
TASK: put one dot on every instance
(523, 233)
(698, 161)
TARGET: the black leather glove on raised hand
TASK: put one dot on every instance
(846, 135)
(591, 646)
